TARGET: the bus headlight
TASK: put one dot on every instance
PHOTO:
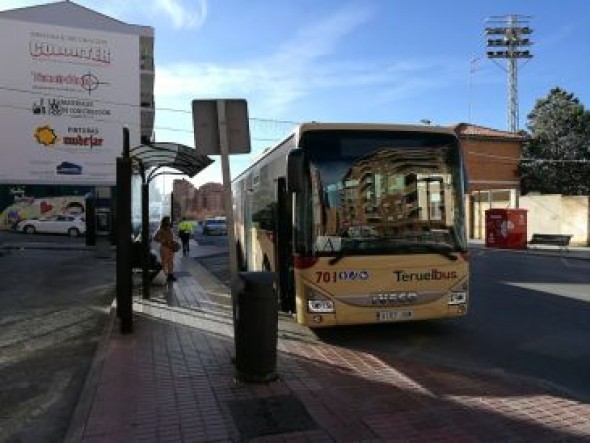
(458, 298)
(459, 294)
(319, 303)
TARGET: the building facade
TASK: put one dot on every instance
(75, 78)
(197, 203)
(491, 158)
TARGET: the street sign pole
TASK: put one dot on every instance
(231, 235)
(221, 128)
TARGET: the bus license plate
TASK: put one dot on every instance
(393, 315)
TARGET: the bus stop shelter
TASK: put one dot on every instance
(149, 160)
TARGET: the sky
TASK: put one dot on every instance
(378, 61)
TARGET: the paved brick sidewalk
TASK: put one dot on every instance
(172, 381)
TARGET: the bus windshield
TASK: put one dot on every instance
(380, 192)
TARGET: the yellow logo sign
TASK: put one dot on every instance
(45, 135)
(76, 137)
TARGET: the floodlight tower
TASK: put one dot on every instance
(509, 38)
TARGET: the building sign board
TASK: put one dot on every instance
(65, 95)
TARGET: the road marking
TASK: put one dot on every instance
(573, 263)
(565, 262)
(565, 346)
(576, 291)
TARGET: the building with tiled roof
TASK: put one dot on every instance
(491, 157)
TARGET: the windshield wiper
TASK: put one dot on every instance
(445, 251)
(341, 254)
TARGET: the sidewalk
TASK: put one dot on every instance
(172, 380)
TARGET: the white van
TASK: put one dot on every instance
(216, 225)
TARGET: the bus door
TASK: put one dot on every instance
(283, 247)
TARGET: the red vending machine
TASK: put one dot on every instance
(506, 228)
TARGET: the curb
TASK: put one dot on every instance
(80, 415)
(50, 247)
(571, 254)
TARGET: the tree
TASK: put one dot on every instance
(556, 155)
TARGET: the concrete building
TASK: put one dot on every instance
(75, 78)
(197, 203)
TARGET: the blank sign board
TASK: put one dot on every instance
(212, 127)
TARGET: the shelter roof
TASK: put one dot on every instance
(170, 155)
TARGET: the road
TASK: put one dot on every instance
(54, 308)
(217, 264)
(528, 316)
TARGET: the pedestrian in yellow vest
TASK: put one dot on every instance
(185, 232)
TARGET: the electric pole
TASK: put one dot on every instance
(509, 39)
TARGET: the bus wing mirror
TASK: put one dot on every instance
(295, 168)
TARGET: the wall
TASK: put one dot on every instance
(557, 214)
(491, 157)
(479, 202)
(491, 164)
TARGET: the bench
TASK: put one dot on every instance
(560, 240)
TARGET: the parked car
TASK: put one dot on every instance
(217, 225)
(68, 168)
(54, 224)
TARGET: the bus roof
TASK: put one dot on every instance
(317, 126)
(320, 126)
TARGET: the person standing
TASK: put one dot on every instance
(185, 232)
(165, 237)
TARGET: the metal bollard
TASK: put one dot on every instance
(256, 325)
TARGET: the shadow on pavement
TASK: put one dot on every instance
(173, 379)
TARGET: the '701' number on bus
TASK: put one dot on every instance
(334, 276)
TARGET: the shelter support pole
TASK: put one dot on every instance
(124, 278)
(145, 240)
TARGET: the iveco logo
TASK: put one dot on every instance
(391, 298)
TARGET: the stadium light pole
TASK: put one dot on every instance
(509, 39)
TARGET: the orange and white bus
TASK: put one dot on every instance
(362, 223)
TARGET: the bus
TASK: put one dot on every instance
(361, 223)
